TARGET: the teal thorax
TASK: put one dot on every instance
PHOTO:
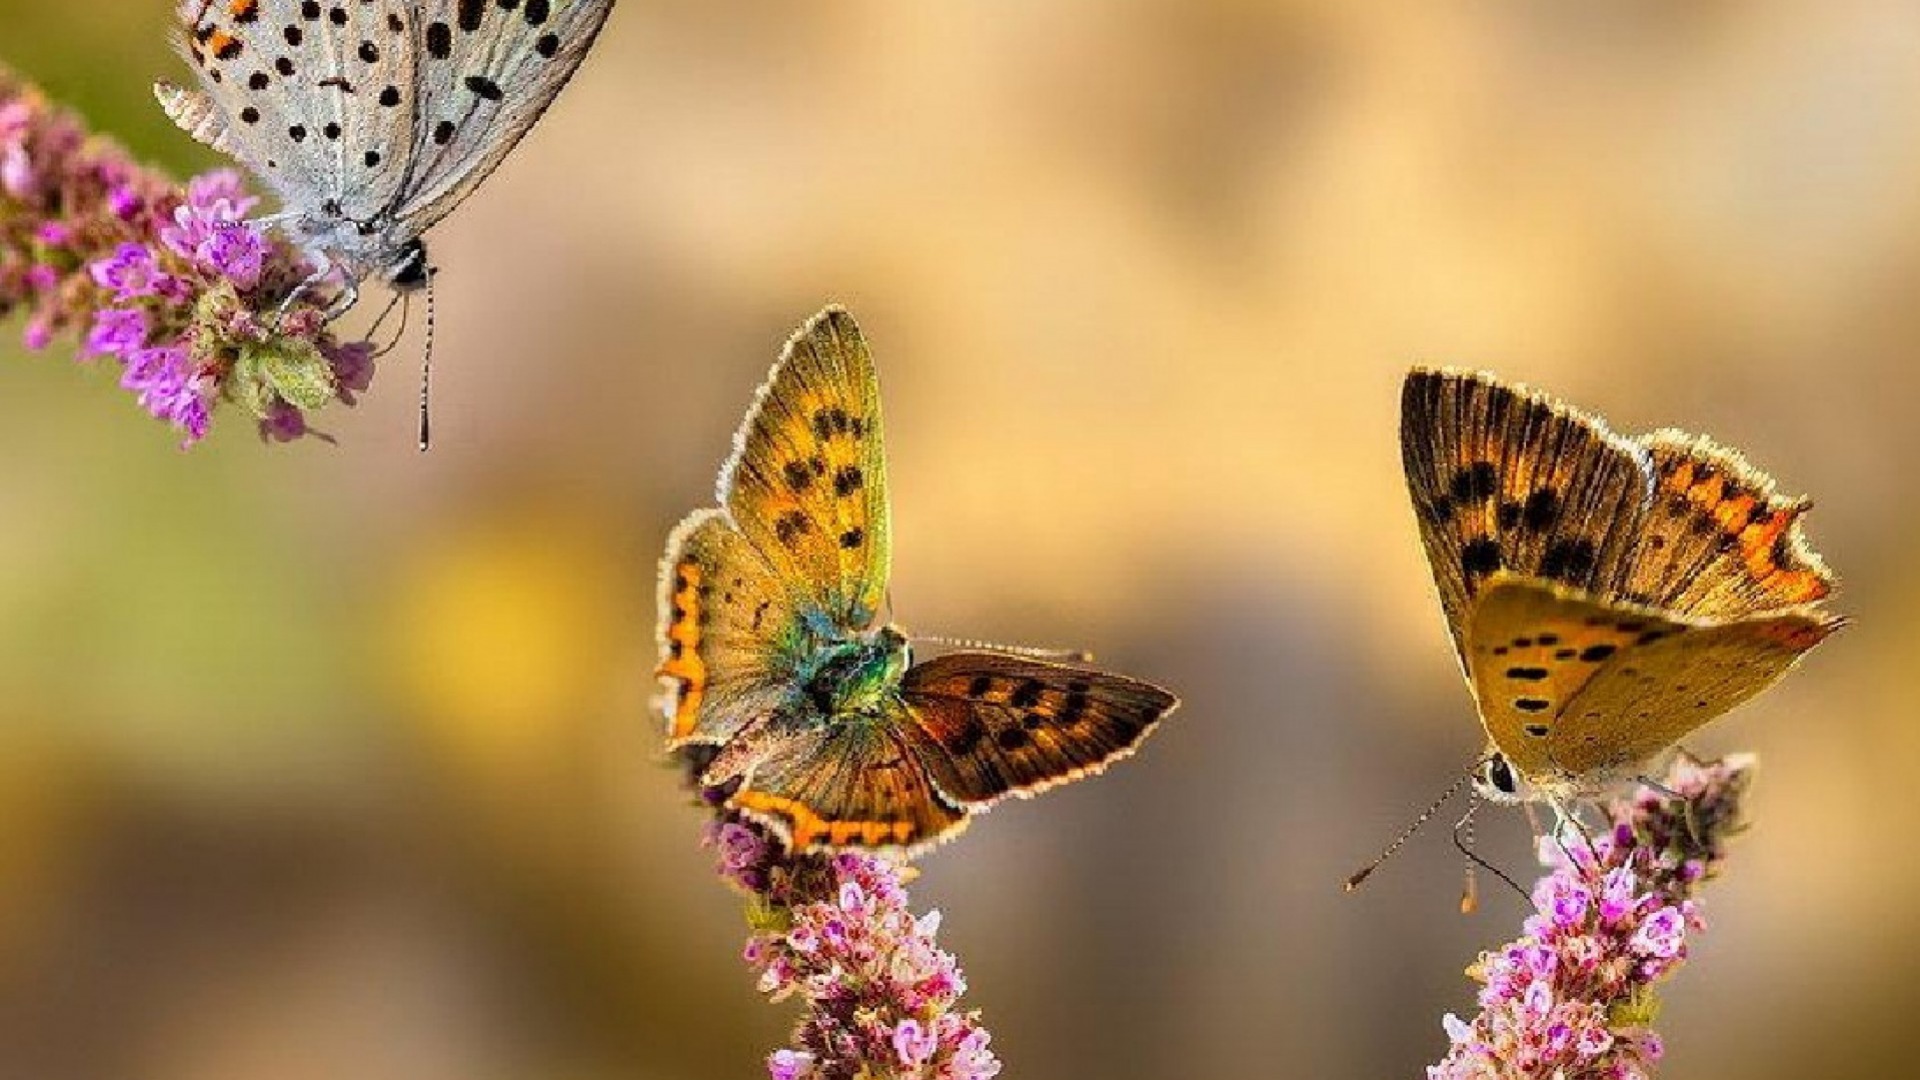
(859, 676)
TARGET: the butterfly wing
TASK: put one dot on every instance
(988, 725)
(1569, 684)
(822, 784)
(726, 633)
(315, 99)
(807, 483)
(1719, 541)
(486, 73)
(1504, 479)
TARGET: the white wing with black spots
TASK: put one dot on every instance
(315, 98)
(487, 71)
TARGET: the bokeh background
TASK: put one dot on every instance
(321, 762)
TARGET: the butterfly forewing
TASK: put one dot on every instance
(1506, 480)
(314, 98)
(725, 635)
(841, 784)
(808, 480)
(989, 725)
(487, 71)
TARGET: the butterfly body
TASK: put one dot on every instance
(857, 678)
(1607, 596)
(373, 119)
(825, 729)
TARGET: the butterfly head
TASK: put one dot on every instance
(860, 675)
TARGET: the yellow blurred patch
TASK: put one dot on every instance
(506, 636)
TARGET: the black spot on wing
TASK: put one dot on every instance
(1475, 484)
(1479, 557)
(1542, 509)
(791, 526)
(1571, 561)
(798, 476)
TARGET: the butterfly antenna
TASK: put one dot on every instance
(426, 372)
(1406, 834)
(1077, 656)
(1463, 840)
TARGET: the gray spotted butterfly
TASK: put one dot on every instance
(373, 119)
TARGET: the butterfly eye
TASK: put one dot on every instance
(1497, 775)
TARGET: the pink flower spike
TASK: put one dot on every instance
(838, 933)
(170, 278)
(1569, 1000)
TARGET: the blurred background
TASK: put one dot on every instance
(320, 762)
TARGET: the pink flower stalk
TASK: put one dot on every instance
(837, 931)
(176, 285)
(1573, 997)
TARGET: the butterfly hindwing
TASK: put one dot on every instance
(314, 98)
(487, 72)
(822, 783)
(1507, 480)
(808, 480)
(1719, 541)
(989, 725)
(725, 632)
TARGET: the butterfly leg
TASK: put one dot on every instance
(1566, 818)
(323, 267)
(349, 296)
